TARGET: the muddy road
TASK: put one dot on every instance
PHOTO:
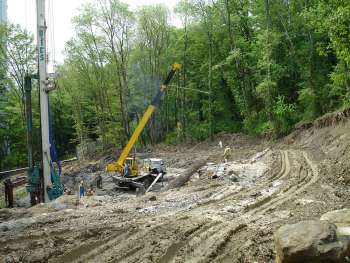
(226, 212)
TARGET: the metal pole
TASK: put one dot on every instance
(44, 101)
(28, 100)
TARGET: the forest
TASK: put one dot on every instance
(255, 67)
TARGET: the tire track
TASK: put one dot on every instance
(227, 194)
(212, 241)
(224, 246)
(279, 198)
(284, 156)
(91, 249)
(138, 244)
(195, 239)
(178, 248)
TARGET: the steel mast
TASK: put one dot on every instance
(44, 96)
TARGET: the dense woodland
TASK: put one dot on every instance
(257, 67)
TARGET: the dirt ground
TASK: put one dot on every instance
(226, 212)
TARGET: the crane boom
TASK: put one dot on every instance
(118, 166)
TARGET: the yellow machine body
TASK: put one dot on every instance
(118, 166)
(132, 164)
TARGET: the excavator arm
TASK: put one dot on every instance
(118, 166)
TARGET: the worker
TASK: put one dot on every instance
(81, 189)
(227, 154)
(126, 170)
(99, 182)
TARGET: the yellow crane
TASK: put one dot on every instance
(131, 161)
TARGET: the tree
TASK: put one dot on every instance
(153, 33)
(17, 55)
(116, 23)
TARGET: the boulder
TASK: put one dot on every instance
(341, 218)
(311, 241)
(338, 217)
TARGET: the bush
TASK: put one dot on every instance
(257, 124)
(285, 116)
(198, 132)
(307, 100)
(228, 126)
(171, 138)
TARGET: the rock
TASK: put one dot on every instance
(341, 218)
(233, 178)
(232, 172)
(100, 198)
(153, 198)
(256, 194)
(338, 217)
(5, 228)
(57, 205)
(311, 241)
(17, 224)
(283, 214)
(304, 201)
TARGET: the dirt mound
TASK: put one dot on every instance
(329, 119)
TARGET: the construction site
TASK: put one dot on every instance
(206, 210)
(183, 173)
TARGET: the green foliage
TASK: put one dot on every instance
(251, 66)
(171, 138)
(285, 116)
(257, 124)
(198, 132)
(307, 100)
(17, 55)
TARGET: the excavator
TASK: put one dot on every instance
(135, 179)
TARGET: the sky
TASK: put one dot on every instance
(23, 12)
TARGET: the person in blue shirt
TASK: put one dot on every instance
(81, 189)
(126, 170)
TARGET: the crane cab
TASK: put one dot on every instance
(117, 167)
(133, 166)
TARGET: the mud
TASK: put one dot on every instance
(224, 212)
